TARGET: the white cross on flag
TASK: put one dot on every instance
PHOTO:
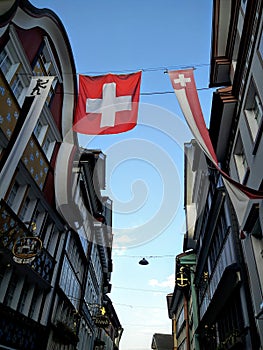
(185, 89)
(107, 104)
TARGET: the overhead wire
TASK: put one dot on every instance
(145, 256)
(142, 290)
(140, 306)
(169, 92)
(165, 70)
(149, 93)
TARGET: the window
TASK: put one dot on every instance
(260, 47)
(11, 290)
(253, 222)
(253, 111)
(257, 110)
(38, 128)
(23, 296)
(96, 263)
(92, 296)
(230, 320)
(46, 144)
(69, 283)
(180, 320)
(12, 194)
(183, 345)
(240, 160)
(256, 230)
(221, 230)
(42, 66)
(5, 64)
(17, 87)
(2, 273)
(34, 302)
(52, 239)
(24, 209)
(38, 219)
(12, 71)
(45, 137)
(46, 65)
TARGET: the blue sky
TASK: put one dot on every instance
(144, 165)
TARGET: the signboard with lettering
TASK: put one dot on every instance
(101, 320)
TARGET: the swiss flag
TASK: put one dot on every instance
(185, 90)
(107, 104)
(184, 86)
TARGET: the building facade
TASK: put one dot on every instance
(55, 223)
(226, 241)
(162, 341)
(182, 304)
(224, 308)
(237, 113)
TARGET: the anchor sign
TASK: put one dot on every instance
(182, 278)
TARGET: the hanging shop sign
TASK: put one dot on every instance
(25, 249)
(182, 277)
(101, 321)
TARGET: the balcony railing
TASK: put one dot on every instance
(44, 265)
(11, 227)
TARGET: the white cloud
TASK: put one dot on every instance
(169, 282)
(119, 251)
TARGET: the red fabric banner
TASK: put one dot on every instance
(107, 104)
(185, 89)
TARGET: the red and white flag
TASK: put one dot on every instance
(107, 104)
(185, 89)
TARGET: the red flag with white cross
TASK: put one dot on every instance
(107, 104)
(185, 90)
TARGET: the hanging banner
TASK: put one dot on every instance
(185, 89)
(107, 104)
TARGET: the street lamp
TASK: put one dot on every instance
(143, 262)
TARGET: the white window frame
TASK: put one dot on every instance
(43, 132)
(260, 46)
(240, 159)
(180, 319)
(20, 63)
(13, 193)
(258, 111)
(24, 209)
(253, 111)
